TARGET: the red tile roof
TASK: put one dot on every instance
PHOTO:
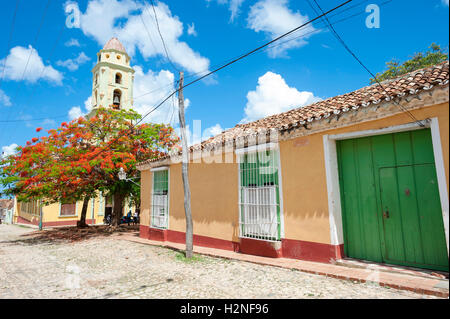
(410, 83)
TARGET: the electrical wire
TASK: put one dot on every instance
(146, 29)
(32, 120)
(339, 38)
(29, 57)
(162, 39)
(9, 41)
(220, 68)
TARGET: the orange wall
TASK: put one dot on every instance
(214, 199)
(214, 187)
(146, 193)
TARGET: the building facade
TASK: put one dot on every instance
(113, 78)
(59, 214)
(363, 175)
(112, 87)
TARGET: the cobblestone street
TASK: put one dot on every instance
(113, 268)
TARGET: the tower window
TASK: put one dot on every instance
(118, 78)
(117, 96)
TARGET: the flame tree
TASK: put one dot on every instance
(80, 158)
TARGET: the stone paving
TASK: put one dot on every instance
(113, 268)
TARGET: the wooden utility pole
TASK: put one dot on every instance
(185, 164)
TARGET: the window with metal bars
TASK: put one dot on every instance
(68, 209)
(160, 199)
(259, 196)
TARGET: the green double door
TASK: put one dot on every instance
(391, 208)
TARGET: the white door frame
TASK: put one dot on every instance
(332, 175)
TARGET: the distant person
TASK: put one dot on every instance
(135, 217)
(129, 217)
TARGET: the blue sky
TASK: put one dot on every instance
(199, 34)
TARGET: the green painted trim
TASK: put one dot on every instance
(374, 171)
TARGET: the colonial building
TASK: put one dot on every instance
(113, 78)
(112, 87)
(361, 175)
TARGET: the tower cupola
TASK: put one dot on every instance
(113, 78)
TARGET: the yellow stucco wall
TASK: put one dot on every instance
(146, 193)
(51, 213)
(214, 187)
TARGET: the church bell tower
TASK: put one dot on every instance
(113, 78)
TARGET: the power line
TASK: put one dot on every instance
(146, 29)
(265, 45)
(9, 41)
(220, 68)
(32, 120)
(162, 39)
(231, 59)
(338, 37)
(34, 43)
(52, 51)
(29, 56)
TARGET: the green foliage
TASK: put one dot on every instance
(84, 156)
(419, 60)
(180, 256)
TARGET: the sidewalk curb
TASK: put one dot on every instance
(420, 285)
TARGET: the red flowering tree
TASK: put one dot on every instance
(83, 157)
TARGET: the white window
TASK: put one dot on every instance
(259, 196)
(160, 199)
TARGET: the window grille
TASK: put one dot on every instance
(31, 208)
(259, 196)
(160, 199)
(68, 209)
(101, 205)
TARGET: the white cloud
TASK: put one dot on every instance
(273, 96)
(160, 84)
(74, 64)
(76, 111)
(88, 104)
(103, 19)
(195, 134)
(212, 131)
(4, 99)
(9, 150)
(149, 89)
(445, 2)
(233, 5)
(274, 18)
(191, 29)
(35, 69)
(72, 43)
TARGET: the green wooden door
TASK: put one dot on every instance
(390, 200)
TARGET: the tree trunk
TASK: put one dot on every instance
(187, 191)
(82, 222)
(117, 209)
